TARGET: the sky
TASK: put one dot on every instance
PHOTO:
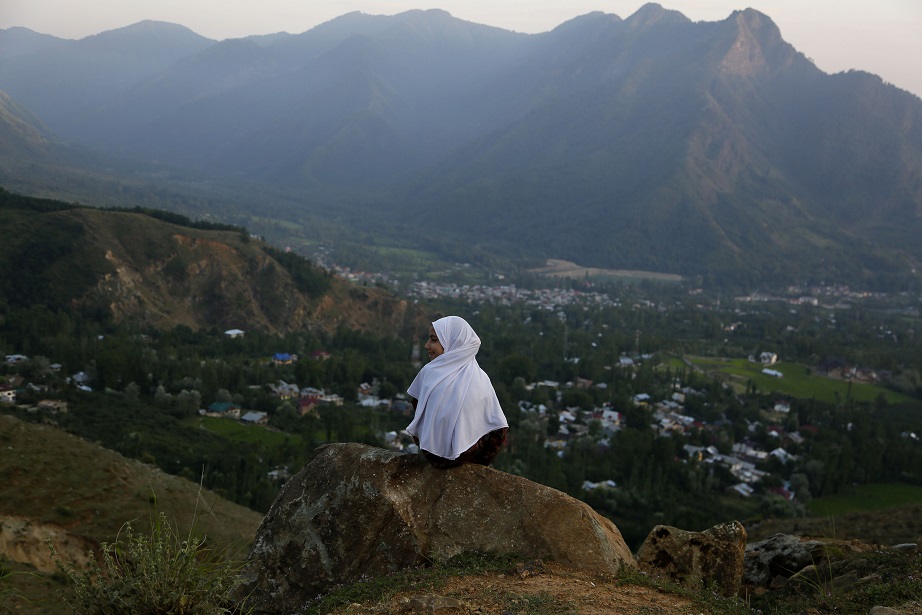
(883, 37)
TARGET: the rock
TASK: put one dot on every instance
(358, 511)
(713, 558)
(780, 555)
(433, 605)
(883, 610)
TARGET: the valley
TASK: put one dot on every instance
(691, 255)
(647, 400)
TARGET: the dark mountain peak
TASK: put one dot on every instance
(654, 14)
(327, 35)
(154, 43)
(146, 30)
(19, 41)
(757, 44)
(590, 21)
(759, 24)
(439, 23)
(355, 22)
(426, 15)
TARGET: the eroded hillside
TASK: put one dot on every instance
(161, 273)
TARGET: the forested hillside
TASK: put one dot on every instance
(154, 269)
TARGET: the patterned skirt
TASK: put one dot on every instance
(483, 452)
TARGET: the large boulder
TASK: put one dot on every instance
(357, 511)
(712, 558)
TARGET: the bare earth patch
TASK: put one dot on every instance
(557, 268)
(553, 589)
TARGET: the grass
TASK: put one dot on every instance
(707, 601)
(798, 381)
(876, 496)
(279, 222)
(163, 571)
(420, 580)
(238, 432)
(503, 589)
(93, 492)
(850, 583)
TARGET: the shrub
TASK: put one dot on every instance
(11, 599)
(163, 572)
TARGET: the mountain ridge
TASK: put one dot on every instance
(708, 149)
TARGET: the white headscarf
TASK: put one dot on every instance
(457, 404)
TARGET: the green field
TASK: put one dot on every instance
(798, 380)
(863, 498)
(239, 432)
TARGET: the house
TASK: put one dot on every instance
(312, 393)
(611, 416)
(402, 407)
(7, 395)
(320, 355)
(223, 409)
(255, 418)
(364, 389)
(783, 492)
(772, 372)
(783, 407)
(782, 455)
(283, 358)
(768, 358)
(308, 406)
(588, 485)
(233, 333)
(333, 399)
(743, 489)
(309, 400)
(81, 378)
(283, 390)
(13, 359)
(280, 473)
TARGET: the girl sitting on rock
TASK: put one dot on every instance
(458, 417)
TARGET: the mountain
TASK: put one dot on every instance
(710, 149)
(159, 270)
(22, 137)
(23, 41)
(59, 79)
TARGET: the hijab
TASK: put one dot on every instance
(457, 404)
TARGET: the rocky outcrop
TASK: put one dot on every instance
(357, 511)
(822, 566)
(713, 558)
(779, 557)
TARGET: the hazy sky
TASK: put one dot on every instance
(883, 37)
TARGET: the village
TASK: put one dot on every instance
(578, 328)
(600, 423)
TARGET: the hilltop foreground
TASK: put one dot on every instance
(81, 494)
